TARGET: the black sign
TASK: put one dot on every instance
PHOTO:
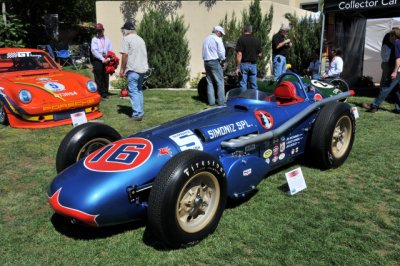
(359, 5)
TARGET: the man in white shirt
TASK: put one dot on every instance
(134, 65)
(336, 65)
(213, 54)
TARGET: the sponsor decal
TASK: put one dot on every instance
(276, 150)
(164, 151)
(275, 141)
(74, 213)
(70, 105)
(294, 140)
(267, 160)
(282, 147)
(66, 94)
(264, 118)
(247, 172)
(283, 139)
(43, 80)
(275, 159)
(187, 140)
(267, 153)
(119, 156)
(18, 54)
(227, 129)
(281, 156)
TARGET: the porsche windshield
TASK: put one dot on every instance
(23, 61)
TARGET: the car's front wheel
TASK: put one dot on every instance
(82, 141)
(3, 115)
(187, 199)
(333, 135)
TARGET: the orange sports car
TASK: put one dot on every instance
(36, 93)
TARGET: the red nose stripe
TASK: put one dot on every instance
(79, 215)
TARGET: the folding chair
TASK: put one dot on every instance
(64, 57)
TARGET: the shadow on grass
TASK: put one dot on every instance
(123, 109)
(82, 232)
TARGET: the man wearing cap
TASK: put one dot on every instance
(100, 46)
(134, 65)
(280, 48)
(213, 53)
(248, 50)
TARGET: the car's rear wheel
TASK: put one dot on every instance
(340, 85)
(82, 141)
(3, 115)
(333, 135)
(187, 199)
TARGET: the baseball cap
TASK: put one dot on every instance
(99, 26)
(220, 29)
(284, 26)
(128, 26)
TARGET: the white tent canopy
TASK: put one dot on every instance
(375, 31)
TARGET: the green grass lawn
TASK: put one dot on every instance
(346, 216)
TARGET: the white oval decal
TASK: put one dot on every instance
(54, 86)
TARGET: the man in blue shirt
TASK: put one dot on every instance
(213, 54)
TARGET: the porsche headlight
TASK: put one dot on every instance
(91, 86)
(25, 96)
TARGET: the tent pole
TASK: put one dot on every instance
(321, 44)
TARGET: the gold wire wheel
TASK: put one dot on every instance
(198, 202)
(341, 137)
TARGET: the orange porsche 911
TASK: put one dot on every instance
(36, 93)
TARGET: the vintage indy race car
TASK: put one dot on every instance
(179, 174)
(36, 93)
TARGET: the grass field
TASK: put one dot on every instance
(346, 216)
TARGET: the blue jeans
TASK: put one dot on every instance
(135, 82)
(279, 62)
(385, 91)
(249, 73)
(215, 75)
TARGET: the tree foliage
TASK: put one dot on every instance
(11, 31)
(305, 34)
(167, 48)
(261, 28)
(32, 15)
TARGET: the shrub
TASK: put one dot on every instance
(167, 48)
(12, 32)
(261, 28)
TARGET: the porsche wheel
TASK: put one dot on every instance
(82, 141)
(333, 135)
(3, 115)
(187, 199)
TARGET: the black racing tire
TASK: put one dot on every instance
(202, 89)
(332, 135)
(82, 141)
(187, 199)
(3, 115)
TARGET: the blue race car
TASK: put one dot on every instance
(179, 174)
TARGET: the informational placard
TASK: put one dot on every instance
(355, 112)
(78, 118)
(295, 181)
